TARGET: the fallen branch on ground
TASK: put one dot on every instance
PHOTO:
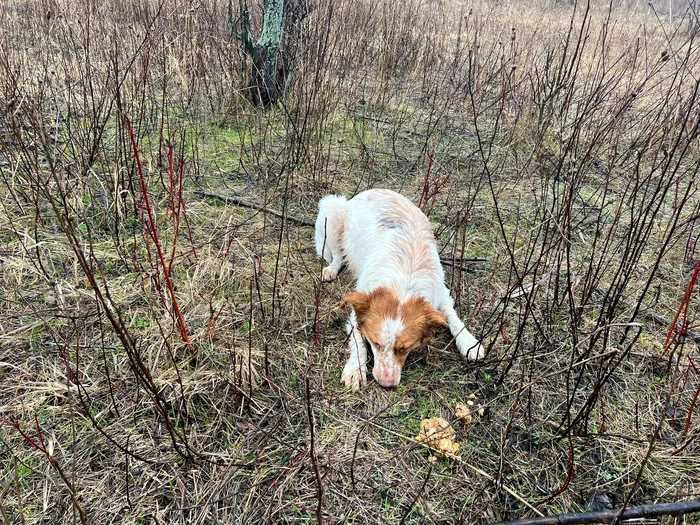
(689, 334)
(256, 206)
(608, 516)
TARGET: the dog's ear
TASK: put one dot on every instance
(432, 320)
(422, 319)
(360, 302)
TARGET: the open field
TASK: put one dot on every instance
(168, 357)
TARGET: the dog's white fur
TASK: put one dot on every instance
(401, 298)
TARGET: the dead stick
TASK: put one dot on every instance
(454, 263)
(607, 516)
(693, 336)
(256, 206)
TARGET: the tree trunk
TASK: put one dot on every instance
(266, 78)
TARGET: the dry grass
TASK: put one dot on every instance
(556, 143)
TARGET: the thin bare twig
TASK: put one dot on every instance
(314, 458)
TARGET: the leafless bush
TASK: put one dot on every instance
(178, 359)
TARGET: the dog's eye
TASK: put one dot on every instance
(403, 351)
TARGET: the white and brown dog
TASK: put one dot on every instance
(401, 297)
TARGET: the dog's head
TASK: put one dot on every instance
(393, 328)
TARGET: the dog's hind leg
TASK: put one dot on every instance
(355, 371)
(330, 272)
(468, 345)
(330, 227)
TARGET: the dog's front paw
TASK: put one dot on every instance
(469, 347)
(353, 375)
(328, 274)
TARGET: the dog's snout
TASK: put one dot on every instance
(386, 370)
(386, 382)
(387, 376)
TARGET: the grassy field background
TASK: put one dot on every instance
(168, 357)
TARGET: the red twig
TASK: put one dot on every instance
(674, 331)
(174, 209)
(182, 204)
(317, 318)
(569, 472)
(694, 402)
(177, 203)
(26, 438)
(426, 183)
(691, 409)
(40, 445)
(432, 186)
(151, 229)
(171, 178)
(288, 467)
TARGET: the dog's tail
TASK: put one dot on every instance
(330, 225)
